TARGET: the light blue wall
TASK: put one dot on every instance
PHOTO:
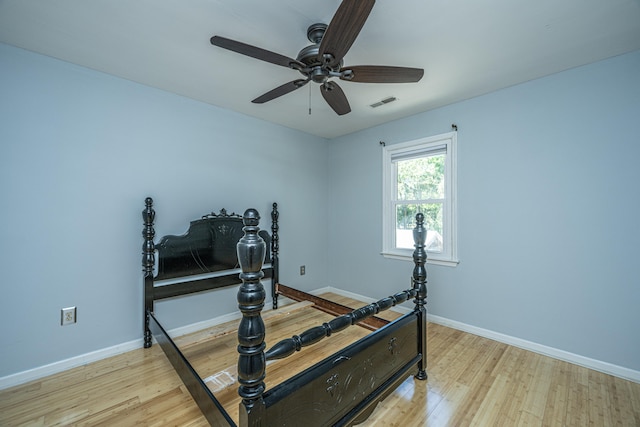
(547, 188)
(79, 152)
(549, 200)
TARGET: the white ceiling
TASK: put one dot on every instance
(466, 47)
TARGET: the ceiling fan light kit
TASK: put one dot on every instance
(323, 60)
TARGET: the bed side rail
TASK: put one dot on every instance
(372, 323)
(208, 404)
(311, 336)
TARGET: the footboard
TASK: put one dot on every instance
(344, 388)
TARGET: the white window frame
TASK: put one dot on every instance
(447, 141)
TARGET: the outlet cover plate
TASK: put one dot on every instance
(68, 316)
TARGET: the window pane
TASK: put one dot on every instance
(421, 178)
(405, 222)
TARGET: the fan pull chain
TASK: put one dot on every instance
(309, 99)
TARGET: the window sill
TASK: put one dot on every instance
(431, 259)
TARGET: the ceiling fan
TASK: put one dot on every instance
(323, 59)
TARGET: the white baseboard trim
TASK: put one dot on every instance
(194, 327)
(94, 356)
(576, 359)
(63, 365)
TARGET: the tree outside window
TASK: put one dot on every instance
(419, 177)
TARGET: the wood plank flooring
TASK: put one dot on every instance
(473, 381)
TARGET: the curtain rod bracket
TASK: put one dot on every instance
(382, 143)
(454, 127)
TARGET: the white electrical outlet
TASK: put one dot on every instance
(68, 316)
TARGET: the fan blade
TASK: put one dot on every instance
(255, 52)
(381, 74)
(335, 97)
(344, 28)
(280, 90)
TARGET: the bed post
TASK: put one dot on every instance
(275, 247)
(251, 332)
(148, 261)
(420, 285)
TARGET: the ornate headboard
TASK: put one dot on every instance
(202, 259)
(208, 246)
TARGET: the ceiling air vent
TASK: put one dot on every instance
(384, 101)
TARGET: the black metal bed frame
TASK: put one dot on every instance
(340, 390)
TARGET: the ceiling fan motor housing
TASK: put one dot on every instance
(316, 69)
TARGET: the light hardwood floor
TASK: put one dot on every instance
(472, 381)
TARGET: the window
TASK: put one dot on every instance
(420, 176)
